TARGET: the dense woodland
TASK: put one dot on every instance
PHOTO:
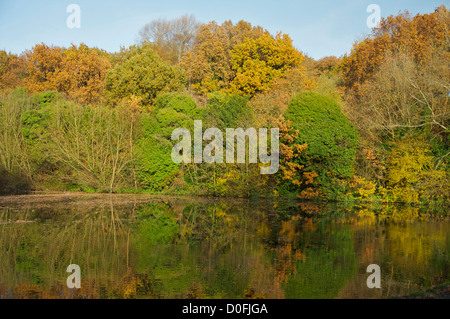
(371, 125)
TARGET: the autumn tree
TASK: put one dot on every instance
(83, 72)
(420, 34)
(396, 83)
(171, 38)
(12, 71)
(43, 62)
(412, 175)
(404, 94)
(268, 106)
(208, 65)
(294, 176)
(327, 65)
(257, 62)
(238, 58)
(78, 72)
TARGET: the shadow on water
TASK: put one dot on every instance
(184, 248)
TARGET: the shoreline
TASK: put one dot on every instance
(54, 197)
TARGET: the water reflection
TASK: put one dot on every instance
(183, 248)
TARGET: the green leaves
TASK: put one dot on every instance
(142, 73)
(154, 166)
(332, 140)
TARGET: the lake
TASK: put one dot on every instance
(186, 247)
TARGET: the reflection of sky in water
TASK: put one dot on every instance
(178, 248)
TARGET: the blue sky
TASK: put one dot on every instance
(318, 28)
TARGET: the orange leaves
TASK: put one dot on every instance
(290, 167)
(42, 64)
(290, 170)
(84, 71)
(309, 177)
(420, 35)
(12, 69)
(77, 71)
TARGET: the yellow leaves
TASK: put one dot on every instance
(309, 177)
(362, 187)
(257, 62)
(309, 193)
(411, 174)
(133, 103)
(408, 160)
(238, 58)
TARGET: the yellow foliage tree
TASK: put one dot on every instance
(257, 62)
(238, 58)
(411, 173)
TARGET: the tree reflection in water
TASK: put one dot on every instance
(190, 248)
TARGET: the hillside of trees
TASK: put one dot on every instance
(371, 125)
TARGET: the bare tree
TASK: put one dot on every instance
(93, 142)
(172, 37)
(405, 94)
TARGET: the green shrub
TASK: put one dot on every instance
(143, 74)
(332, 140)
(228, 111)
(155, 169)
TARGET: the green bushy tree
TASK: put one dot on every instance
(228, 111)
(332, 140)
(140, 72)
(154, 166)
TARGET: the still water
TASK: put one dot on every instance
(220, 248)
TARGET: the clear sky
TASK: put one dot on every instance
(318, 28)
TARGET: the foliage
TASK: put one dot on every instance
(227, 111)
(412, 175)
(140, 72)
(421, 34)
(332, 140)
(257, 62)
(12, 71)
(238, 58)
(78, 72)
(291, 170)
(84, 145)
(404, 95)
(154, 166)
(270, 105)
